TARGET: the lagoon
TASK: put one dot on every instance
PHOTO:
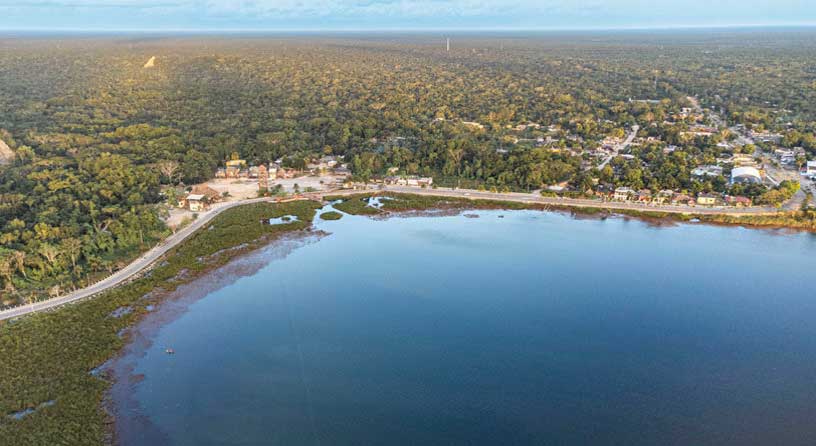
(533, 328)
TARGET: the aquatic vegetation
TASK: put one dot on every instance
(48, 356)
(331, 215)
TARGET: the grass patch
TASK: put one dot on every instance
(47, 356)
(355, 205)
(331, 215)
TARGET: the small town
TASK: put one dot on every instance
(747, 159)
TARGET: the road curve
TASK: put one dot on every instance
(128, 272)
(154, 254)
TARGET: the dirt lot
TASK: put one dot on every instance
(243, 188)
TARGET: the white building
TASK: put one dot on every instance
(707, 171)
(745, 175)
(810, 168)
(623, 193)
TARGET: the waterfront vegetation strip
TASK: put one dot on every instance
(402, 202)
(49, 356)
(355, 205)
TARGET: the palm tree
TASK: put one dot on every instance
(50, 253)
(19, 261)
(72, 247)
(6, 272)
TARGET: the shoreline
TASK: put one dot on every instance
(753, 217)
(781, 220)
(205, 252)
(127, 421)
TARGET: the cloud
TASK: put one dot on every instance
(289, 8)
(325, 14)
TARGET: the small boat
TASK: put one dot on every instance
(170, 351)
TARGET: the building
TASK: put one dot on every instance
(707, 199)
(409, 181)
(644, 196)
(623, 193)
(235, 169)
(682, 199)
(738, 201)
(810, 168)
(745, 175)
(664, 196)
(196, 202)
(707, 171)
(209, 193)
(743, 160)
(473, 124)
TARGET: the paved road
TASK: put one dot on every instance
(151, 256)
(581, 203)
(131, 270)
(621, 146)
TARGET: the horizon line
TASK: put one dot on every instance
(408, 29)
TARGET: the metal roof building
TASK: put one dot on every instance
(745, 175)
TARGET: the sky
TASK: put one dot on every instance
(288, 15)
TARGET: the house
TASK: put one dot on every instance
(707, 199)
(623, 193)
(644, 196)
(414, 181)
(766, 137)
(196, 202)
(810, 168)
(232, 172)
(707, 171)
(738, 201)
(664, 196)
(209, 193)
(285, 173)
(473, 124)
(329, 161)
(682, 199)
(742, 159)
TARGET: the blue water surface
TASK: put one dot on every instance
(531, 329)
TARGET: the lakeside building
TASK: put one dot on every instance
(199, 198)
(682, 199)
(195, 202)
(409, 181)
(707, 199)
(664, 196)
(644, 196)
(738, 201)
(623, 193)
